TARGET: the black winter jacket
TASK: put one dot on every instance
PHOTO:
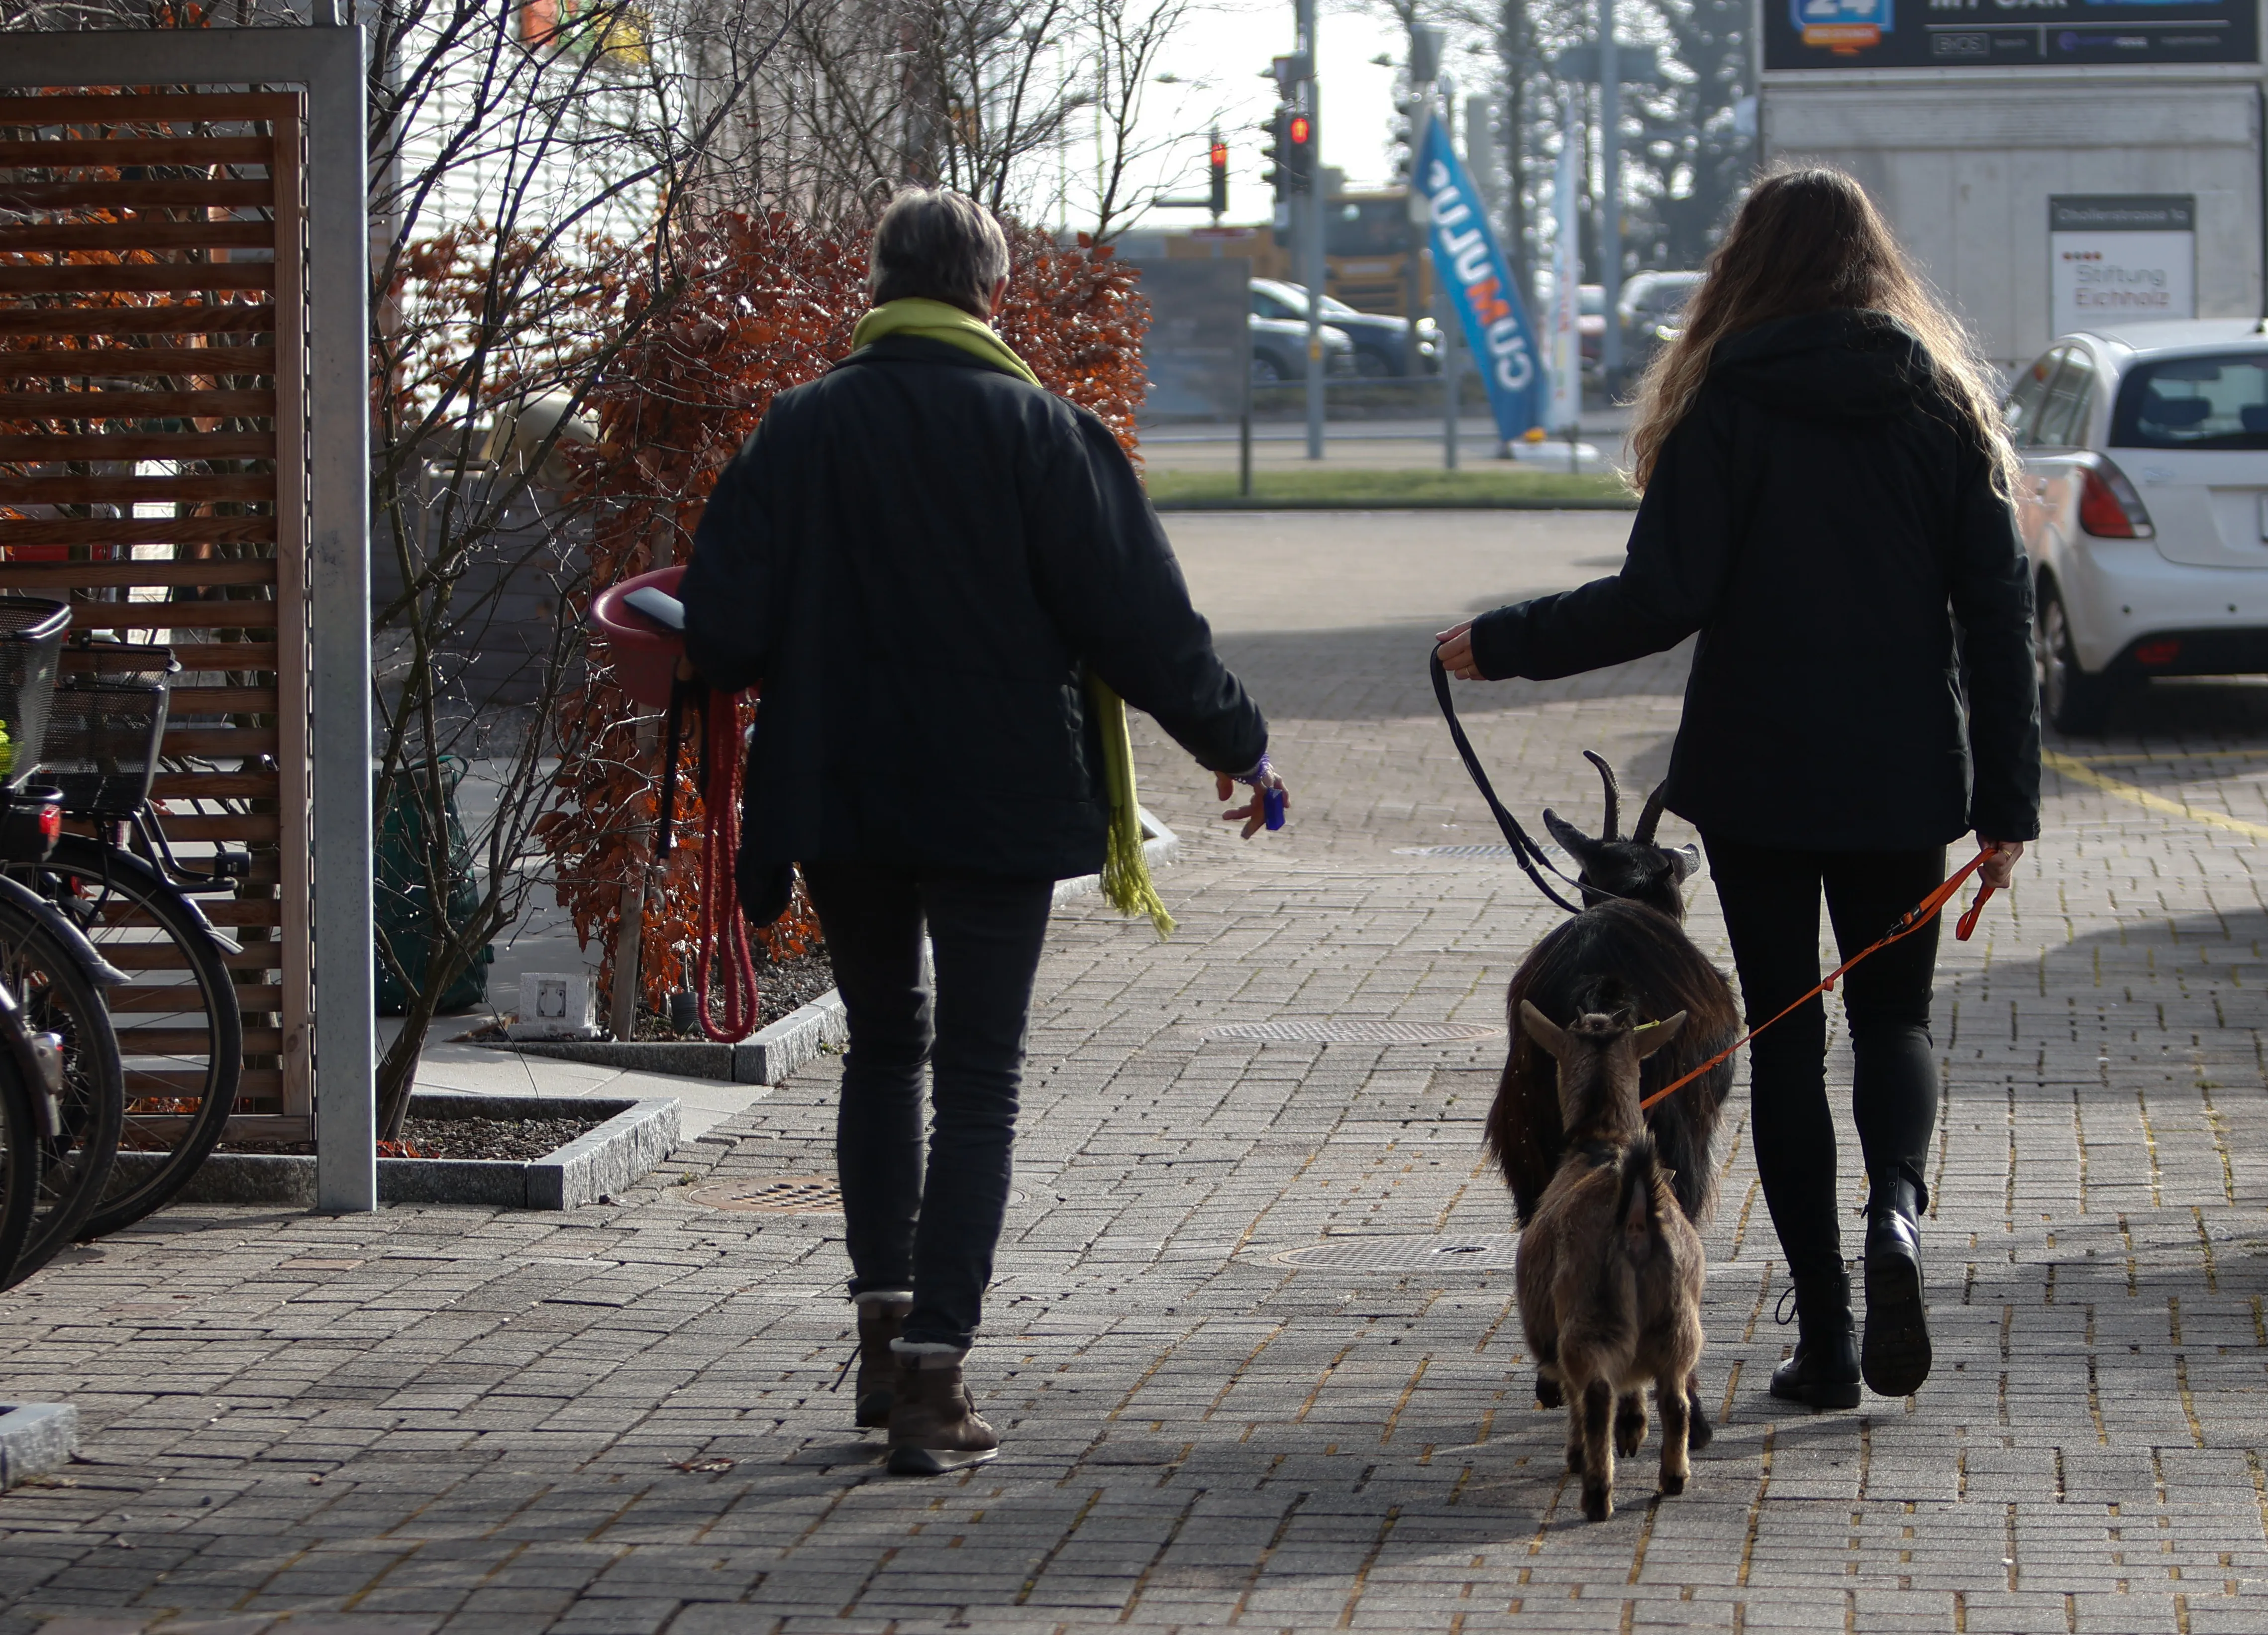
(1819, 518)
(917, 555)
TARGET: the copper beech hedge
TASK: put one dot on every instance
(767, 304)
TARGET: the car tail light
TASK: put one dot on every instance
(2159, 653)
(2109, 507)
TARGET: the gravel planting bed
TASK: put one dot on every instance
(516, 1140)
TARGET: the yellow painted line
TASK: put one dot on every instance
(2154, 758)
(2070, 766)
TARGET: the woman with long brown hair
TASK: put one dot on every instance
(1825, 501)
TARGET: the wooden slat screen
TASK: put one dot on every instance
(152, 470)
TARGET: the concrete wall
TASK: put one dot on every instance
(1963, 166)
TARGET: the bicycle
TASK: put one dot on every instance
(183, 1033)
(30, 1116)
(47, 964)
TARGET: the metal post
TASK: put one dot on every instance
(1309, 229)
(338, 626)
(1244, 426)
(329, 62)
(1445, 315)
(1611, 223)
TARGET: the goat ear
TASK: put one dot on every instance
(1653, 1035)
(1684, 862)
(1573, 841)
(1543, 1030)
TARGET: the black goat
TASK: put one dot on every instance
(1626, 954)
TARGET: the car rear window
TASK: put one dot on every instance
(2215, 401)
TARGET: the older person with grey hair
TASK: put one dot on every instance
(945, 579)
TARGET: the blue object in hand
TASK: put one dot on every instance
(1272, 799)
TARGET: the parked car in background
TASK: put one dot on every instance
(1649, 310)
(1279, 351)
(2144, 508)
(1381, 341)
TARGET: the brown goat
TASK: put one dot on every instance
(1627, 950)
(1610, 1269)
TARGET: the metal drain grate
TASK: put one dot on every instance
(1455, 851)
(774, 1195)
(1485, 1251)
(1324, 1030)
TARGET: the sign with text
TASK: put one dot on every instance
(2007, 33)
(2115, 258)
(1470, 267)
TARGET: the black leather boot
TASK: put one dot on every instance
(881, 1319)
(1895, 1355)
(1824, 1371)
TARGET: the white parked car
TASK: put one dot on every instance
(2144, 508)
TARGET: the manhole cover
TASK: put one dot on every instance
(1484, 1251)
(774, 1195)
(1455, 851)
(1322, 1030)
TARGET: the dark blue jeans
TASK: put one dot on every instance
(1770, 896)
(929, 1227)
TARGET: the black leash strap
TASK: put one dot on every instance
(1526, 851)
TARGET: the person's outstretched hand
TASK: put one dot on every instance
(1456, 649)
(1254, 814)
(2002, 864)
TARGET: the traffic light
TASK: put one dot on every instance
(1217, 159)
(1300, 153)
(1278, 154)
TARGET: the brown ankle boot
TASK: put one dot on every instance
(879, 1322)
(934, 1425)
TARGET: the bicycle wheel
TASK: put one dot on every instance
(179, 1028)
(58, 996)
(19, 1162)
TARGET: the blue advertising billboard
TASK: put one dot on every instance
(2007, 33)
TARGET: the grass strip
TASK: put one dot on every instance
(1355, 489)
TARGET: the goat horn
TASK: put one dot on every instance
(1651, 818)
(1614, 793)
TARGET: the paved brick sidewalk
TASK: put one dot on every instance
(621, 1419)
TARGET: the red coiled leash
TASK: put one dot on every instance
(719, 915)
(1918, 915)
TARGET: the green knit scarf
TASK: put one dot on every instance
(1126, 880)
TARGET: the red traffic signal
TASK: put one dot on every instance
(1217, 160)
(1300, 152)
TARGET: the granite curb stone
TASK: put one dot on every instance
(635, 1136)
(35, 1438)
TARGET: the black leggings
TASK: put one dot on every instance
(929, 1222)
(1771, 897)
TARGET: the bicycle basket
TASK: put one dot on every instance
(31, 638)
(103, 735)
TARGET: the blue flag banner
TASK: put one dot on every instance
(1470, 266)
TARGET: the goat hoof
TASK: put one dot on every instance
(1673, 1483)
(1629, 1436)
(1548, 1393)
(1598, 1506)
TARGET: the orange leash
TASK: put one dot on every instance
(1920, 915)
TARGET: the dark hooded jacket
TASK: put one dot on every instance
(919, 556)
(1821, 517)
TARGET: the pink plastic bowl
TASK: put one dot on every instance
(645, 656)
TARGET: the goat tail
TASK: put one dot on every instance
(1635, 1202)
